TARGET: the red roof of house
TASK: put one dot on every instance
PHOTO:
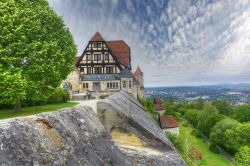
(158, 100)
(121, 50)
(168, 122)
(138, 72)
(97, 37)
(159, 107)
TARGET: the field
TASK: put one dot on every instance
(9, 113)
(209, 158)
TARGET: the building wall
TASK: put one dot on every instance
(127, 84)
(172, 130)
(161, 112)
(103, 51)
(73, 78)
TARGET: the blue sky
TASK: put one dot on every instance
(178, 42)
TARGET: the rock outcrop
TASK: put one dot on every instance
(79, 136)
(121, 112)
(72, 136)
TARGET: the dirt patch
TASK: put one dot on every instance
(50, 132)
(132, 142)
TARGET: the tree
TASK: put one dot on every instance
(192, 117)
(169, 107)
(207, 118)
(197, 104)
(242, 113)
(242, 157)
(223, 107)
(238, 137)
(37, 51)
(217, 136)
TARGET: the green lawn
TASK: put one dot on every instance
(209, 158)
(9, 113)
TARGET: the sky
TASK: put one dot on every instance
(175, 42)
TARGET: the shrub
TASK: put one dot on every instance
(242, 157)
(214, 148)
(192, 117)
(59, 96)
(195, 153)
(196, 133)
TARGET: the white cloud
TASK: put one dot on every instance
(176, 42)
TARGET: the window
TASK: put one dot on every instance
(106, 56)
(85, 85)
(130, 84)
(81, 69)
(98, 70)
(89, 71)
(124, 84)
(109, 70)
(95, 45)
(97, 57)
(112, 85)
(89, 57)
(99, 45)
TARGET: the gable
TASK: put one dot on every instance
(122, 51)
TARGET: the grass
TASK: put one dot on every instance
(9, 113)
(208, 158)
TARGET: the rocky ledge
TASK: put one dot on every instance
(79, 136)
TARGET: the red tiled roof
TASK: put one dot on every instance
(158, 100)
(159, 107)
(138, 72)
(121, 50)
(97, 37)
(168, 122)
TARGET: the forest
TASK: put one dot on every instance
(224, 126)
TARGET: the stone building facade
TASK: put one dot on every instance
(105, 68)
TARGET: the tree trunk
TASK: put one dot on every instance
(17, 107)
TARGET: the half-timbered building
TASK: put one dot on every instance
(105, 67)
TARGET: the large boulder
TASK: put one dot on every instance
(72, 136)
(138, 136)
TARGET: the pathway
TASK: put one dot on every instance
(91, 103)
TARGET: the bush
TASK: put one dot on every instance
(196, 133)
(214, 148)
(242, 157)
(59, 96)
(195, 154)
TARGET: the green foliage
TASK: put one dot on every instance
(186, 141)
(242, 113)
(169, 107)
(12, 87)
(217, 135)
(237, 137)
(197, 104)
(213, 148)
(223, 107)
(192, 117)
(207, 118)
(196, 133)
(8, 113)
(242, 157)
(149, 107)
(180, 107)
(37, 50)
(59, 96)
